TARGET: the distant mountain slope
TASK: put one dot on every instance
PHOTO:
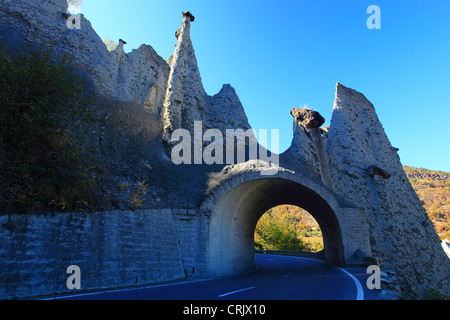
(433, 189)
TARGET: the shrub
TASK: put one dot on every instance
(137, 195)
(45, 161)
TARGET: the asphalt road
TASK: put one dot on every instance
(276, 278)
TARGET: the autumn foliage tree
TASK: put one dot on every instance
(288, 227)
(110, 44)
(74, 3)
(277, 236)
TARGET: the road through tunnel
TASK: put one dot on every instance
(236, 214)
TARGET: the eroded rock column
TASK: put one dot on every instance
(185, 98)
(311, 121)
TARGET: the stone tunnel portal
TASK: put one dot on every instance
(236, 214)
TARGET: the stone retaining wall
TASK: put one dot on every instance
(112, 249)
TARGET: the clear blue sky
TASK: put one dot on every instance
(280, 55)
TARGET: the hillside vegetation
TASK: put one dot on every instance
(45, 162)
(433, 189)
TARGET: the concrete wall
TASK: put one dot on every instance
(111, 248)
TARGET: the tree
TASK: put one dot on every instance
(110, 44)
(274, 235)
(74, 6)
(74, 3)
(45, 159)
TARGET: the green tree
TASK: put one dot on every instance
(274, 235)
(45, 160)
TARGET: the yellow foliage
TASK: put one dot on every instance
(110, 44)
(137, 195)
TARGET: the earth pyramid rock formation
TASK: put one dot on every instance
(186, 100)
(366, 170)
(198, 218)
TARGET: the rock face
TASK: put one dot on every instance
(367, 171)
(141, 75)
(185, 98)
(350, 168)
(308, 144)
(308, 118)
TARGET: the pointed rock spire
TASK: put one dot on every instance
(119, 49)
(185, 97)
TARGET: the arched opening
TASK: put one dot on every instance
(289, 228)
(236, 213)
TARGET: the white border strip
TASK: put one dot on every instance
(359, 287)
(61, 297)
(233, 292)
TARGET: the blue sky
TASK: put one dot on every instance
(280, 55)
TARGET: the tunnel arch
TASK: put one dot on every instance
(237, 204)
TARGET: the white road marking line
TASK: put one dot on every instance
(287, 275)
(359, 288)
(233, 292)
(145, 287)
